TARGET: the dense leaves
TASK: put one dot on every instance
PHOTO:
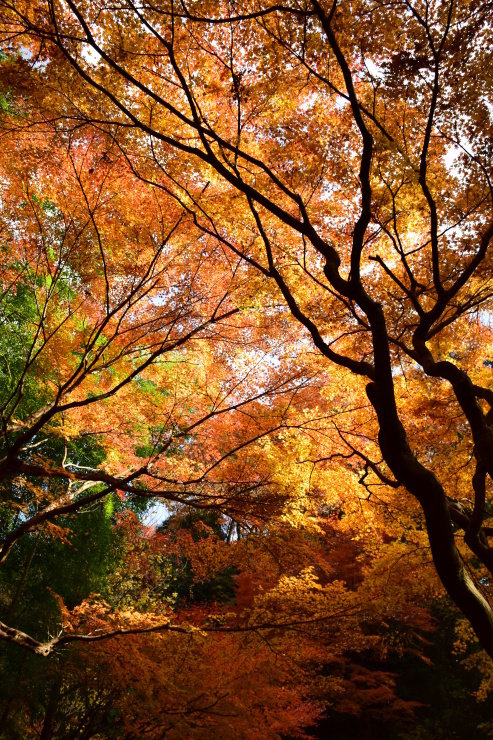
(245, 299)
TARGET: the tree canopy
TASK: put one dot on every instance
(246, 275)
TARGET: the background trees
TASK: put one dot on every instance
(247, 257)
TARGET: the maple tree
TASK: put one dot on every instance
(248, 253)
(68, 352)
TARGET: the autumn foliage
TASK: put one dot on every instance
(246, 406)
